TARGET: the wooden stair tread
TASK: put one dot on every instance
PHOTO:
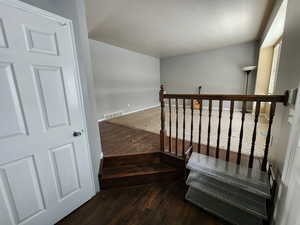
(131, 159)
(140, 168)
(136, 170)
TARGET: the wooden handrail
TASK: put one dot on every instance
(251, 98)
(258, 99)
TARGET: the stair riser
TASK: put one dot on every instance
(138, 180)
(119, 161)
(178, 163)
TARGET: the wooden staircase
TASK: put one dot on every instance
(136, 169)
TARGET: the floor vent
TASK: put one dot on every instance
(113, 115)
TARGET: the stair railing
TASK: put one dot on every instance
(184, 147)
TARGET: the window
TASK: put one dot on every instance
(274, 70)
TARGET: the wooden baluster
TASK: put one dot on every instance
(170, 126)
(229, 130)
(192, 122)
(238, 160)
(219, 128)
(183, 136)
(265, 159)
(257, 110)
(162, 119)
(176, 126)
(200, 125)
(209, 122)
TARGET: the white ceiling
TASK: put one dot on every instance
(173, 27)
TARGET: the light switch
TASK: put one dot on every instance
(292, 96)
(291, 115)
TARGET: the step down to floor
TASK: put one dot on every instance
(137, 174)
(221, 209)
(241, 199)
(252, 180)
(235, 193)
(142, 168)
(133, 170)
(131, 159)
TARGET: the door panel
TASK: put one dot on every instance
(11, 118)
(26, 201)
(40, 41)
(44, 171)
(3, 40)
(51, 88)
(293, 217)
(66, 170)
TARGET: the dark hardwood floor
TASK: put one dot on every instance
(142, 168)
(152, 204)
(132, 157)
(128, 153)
(120, 140)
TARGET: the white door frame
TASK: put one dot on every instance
(292, 143)
(67, 22)
(280, 214)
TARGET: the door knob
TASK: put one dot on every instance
(76, 133)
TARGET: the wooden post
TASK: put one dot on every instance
(219, 128)
(176, 103)
(200, 125)
(265, 159)
(192, 122)
(257, 111)
(183, 125)
(208, 129)
(170, 126)
(230, 130)
(238, 160)
(162, 119)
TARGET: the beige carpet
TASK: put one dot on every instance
(149, 120)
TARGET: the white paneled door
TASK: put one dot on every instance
(45, 168)
(291, 205)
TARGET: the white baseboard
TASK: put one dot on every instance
(134, 111)
(179, 106)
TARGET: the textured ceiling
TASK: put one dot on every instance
(173, 27)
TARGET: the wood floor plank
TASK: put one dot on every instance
(154, 204)
(121, 140)
(118, 139)
(134, 170)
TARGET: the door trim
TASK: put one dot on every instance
(64, 22)
(284, 198)
(293, 142)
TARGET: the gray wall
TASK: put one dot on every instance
(75, 10)
(217, 71)
(124, 80)
(288, 77)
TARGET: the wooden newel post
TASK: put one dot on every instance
(162, 118)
